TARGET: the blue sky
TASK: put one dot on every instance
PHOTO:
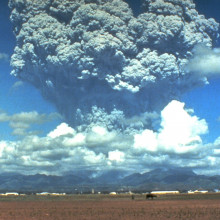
(205, 100)
(17, 97)
(21, 98)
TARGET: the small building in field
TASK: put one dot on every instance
(164, 192)
(43, 194)
(112, 193)
(57, 194)
(197, 191)
(200, 191)
(12, 194)
(50, 194)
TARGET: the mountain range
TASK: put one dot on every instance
(83, 182)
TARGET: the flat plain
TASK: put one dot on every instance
(107, 207)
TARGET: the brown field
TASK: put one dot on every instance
(99, 207)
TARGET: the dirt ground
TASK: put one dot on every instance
(105, 207)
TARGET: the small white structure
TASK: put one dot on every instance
(12, 194)
(57, 194)
(200, 191)
(197, 191)
(165, 192)
(50, 194)
(43, 194)
(112, 193)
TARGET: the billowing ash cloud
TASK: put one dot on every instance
(103, 66)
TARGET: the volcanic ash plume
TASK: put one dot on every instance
(103, 66)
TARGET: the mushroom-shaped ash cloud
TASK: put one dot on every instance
(103, 66)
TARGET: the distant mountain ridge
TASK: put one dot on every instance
(158, 179)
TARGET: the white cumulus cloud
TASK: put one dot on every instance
(177, 142)
(180, 132)
(62, 129)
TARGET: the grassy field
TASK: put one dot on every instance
(99, 207)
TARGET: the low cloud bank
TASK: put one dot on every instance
(178, 142)
(22, 122)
